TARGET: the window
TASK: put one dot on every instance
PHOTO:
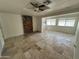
(66, 22)
(51, 21)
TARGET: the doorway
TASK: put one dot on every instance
(27, 24)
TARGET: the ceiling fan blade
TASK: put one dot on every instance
(43, 7)
(34, 4)
(47, 2)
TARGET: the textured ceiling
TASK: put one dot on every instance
(21, 7)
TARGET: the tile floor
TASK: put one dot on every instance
(48, 45)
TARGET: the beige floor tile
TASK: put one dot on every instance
(49, 45)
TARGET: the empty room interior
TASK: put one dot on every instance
(39, 29)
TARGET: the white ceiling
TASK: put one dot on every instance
(20, 6)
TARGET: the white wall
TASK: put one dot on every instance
(36, 23)
(1, 39)
(69, 30)
(11, 25)
(39, 24)
(77, 43)
(1, 42)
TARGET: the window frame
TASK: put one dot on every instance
(51, 22)
(65, 25)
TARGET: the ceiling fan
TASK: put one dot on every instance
(40, 6)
